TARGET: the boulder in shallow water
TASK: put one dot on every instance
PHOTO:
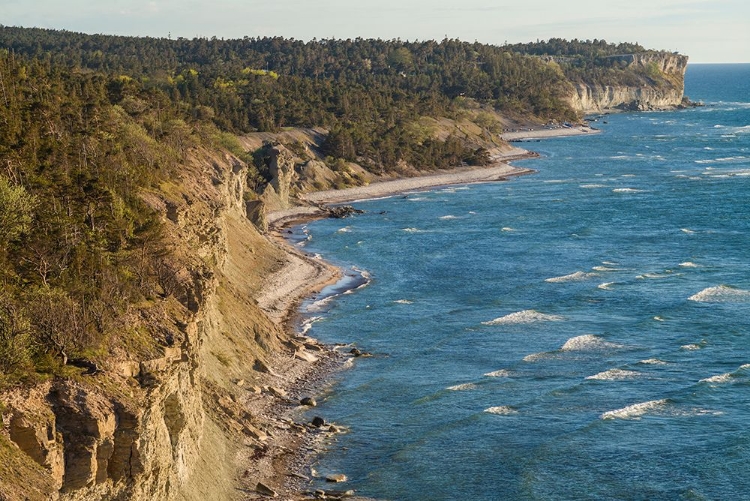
(336, 478)
(318, 421)
(308, 401)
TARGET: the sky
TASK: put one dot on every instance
(709, 31)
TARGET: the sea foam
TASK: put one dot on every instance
(524, 317)
(588, 342)
(635, 411)
(615, 375)
(721, 294)
(499, 373)
(501, 410)
(573, 277)
(462, 387)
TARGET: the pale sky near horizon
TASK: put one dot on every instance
(706, 30)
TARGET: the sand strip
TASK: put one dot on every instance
(546, 133)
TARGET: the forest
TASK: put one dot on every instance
(88, 123)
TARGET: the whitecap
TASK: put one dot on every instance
(687, 230)
(501, 410)
(605, 286)
(627, 190)
(719, 378)
(690, 347)
(345, 229)
(507, 228)
(588, 342)
(320, 305)
(688, 264)
(524, 317)
(412, 230)
(635, 411)
(308, 323)
(498, 373)
(658, 318)
(573, 277)
(462, 387)
(653, 361)
(592, 186)
(403, 301)
(721, 294)
(655, 275)
(609, 263)
(604, 268)
(533, 357)
(448, 217)
(615, 375)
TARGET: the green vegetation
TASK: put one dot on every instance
(88, 123)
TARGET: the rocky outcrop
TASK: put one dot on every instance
(663, 90)
(281, 164)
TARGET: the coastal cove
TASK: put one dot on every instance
(588, 326)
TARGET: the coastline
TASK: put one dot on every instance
(292, 450)
(532, 133)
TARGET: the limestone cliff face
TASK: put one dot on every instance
(664, 91)
(146, 429)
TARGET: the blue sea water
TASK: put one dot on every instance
(579, 333)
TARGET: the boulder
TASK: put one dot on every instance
(308, 401)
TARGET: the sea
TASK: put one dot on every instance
(581, 333)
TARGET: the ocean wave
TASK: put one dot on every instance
(722, 160)
(588, 342)
(448, 217)
(653, 361)
(658, 318)
(726, 377)
(719, 378)
(605, 286)
(687, 230)
(308, 323)
(688, 264)
(615, 375)
(319, 305)
(412, 230)
(501, 410)
(573, 277)
(462, 387)
(690, 347)
(604, 268)
(721, 294)
(524, 317)
(345, 229)
(627, 190)
(592, 186)
(403, 301)
(635, 411)
(499, 373)
(656, 276)
(533, 357)
(507, 228)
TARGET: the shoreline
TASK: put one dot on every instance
(303, 276)
(315, 202)
(533, 134)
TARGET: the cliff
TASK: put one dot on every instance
(184, 425)
(659, 85)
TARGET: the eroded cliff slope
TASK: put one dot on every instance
(662, 86)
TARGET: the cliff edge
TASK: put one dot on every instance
(660, 85)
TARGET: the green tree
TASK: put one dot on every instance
(16, 210)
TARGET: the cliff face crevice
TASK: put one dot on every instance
(141, 429)
(663, 89)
